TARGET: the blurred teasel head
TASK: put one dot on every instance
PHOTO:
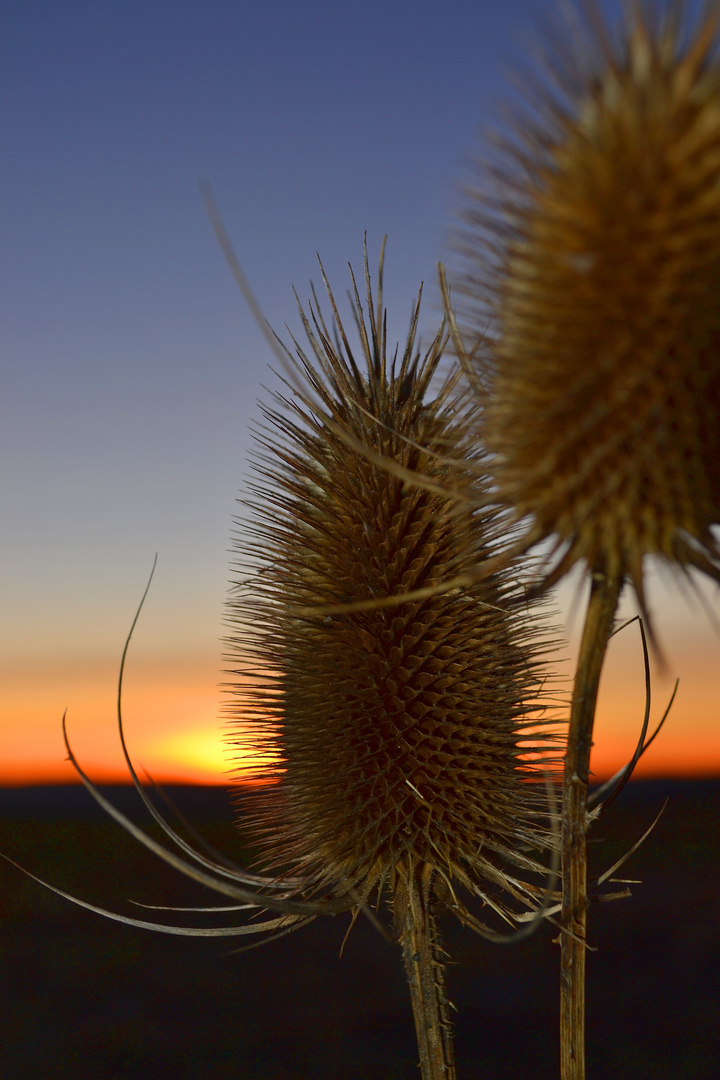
(590, 291)
(399, 727)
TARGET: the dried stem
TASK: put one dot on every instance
(604, 595)
(425, 969)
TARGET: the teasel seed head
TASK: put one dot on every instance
(403, 740)
(592, 259)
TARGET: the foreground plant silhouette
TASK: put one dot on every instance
(594, 265)
(397, 729)
(399, 725)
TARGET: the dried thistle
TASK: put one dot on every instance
(595, 260)
(396, 735)
(594, 264)
(399, 727)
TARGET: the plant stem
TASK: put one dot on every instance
(602, 605)
(425, 970)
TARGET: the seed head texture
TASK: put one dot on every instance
(594, 258)
(406, 739)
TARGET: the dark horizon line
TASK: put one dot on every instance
(599, 778)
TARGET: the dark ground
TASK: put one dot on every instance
(88, 999)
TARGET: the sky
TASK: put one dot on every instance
(130, 366)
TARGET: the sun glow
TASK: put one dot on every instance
(172, 713)
(171, 721)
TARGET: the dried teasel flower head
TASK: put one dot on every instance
(394, 703)
(405, 740)
(592, 259)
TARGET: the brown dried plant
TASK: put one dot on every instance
(403, 743)
(590, 283)
(407, 740)
(596, 261)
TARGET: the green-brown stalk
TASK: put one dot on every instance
(604, 595)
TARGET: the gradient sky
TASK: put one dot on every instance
(131, 366)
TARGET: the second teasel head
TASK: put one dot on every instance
(590, 284)
(404, 738)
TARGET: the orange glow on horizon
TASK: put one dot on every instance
(689, 742)
(170, 720)
(173, 730)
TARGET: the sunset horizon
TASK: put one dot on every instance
(133, 366)
(175, 727)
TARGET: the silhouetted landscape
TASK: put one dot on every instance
(86, 997)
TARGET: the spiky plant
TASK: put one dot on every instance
(596, 261)
(395, 731)
(398, 727)
(593, 261)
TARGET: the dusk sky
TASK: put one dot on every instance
(131, 367)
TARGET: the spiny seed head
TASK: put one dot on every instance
(399, 738)
(595, 263)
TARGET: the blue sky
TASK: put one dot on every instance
(130, 365)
